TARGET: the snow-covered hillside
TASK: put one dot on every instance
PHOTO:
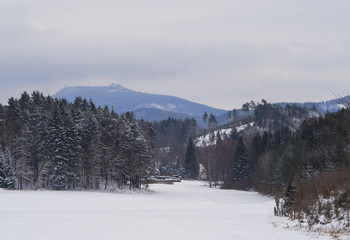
(211, 137)
(187, 210)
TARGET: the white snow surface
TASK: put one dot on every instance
(186, 210)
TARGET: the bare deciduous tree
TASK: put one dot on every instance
(343, 100)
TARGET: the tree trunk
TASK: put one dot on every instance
(106, 176)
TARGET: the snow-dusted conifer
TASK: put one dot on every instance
(136, 152)
(59, 174)
(7, 174)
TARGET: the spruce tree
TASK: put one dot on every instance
(191, 164)
(241, 169)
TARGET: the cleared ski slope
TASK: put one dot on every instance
(187, 210)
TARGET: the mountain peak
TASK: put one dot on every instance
(114, 87)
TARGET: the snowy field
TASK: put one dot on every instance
(187, 210)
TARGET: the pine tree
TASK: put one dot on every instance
(191, 164)
(7, 175)
(72, 148)
(245, 107)
(229, 116)
(205, 117)
(20, 149)
(234, 115)
(188, 129)
(241, 169)
(252, 106)
(212, 121)
(40, 149)
(109, 146)
(59, 172)
(234, 134)
(289, 200)
(60, 145)
(136, 151)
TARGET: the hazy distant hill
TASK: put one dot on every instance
(144, 105)
(333, 105)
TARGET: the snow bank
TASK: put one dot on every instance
(325, 216)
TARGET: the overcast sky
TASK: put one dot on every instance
(221, 53)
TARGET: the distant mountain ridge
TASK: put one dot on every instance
(332, 105)
(144, 105)
(156, 107)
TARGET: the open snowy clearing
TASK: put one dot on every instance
(187, 210)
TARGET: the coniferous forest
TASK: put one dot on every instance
(52, 144)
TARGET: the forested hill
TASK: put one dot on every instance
(52, 144)
(301, 158)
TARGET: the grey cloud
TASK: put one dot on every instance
(224, 52)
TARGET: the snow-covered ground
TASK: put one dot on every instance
(205, 140)
(186, 210)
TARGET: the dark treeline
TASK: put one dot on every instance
(52, 144)
(170, 139)
(173, 132)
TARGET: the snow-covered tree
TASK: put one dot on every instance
(7, 174)
(59, 145)
(59, 172)
(136, 152)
